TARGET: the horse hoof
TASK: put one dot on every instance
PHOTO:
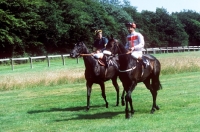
(107, 105)
(157, 107)
(132, 112)
(128, 116)
(123, 103)
(152, 111)
(87, 109)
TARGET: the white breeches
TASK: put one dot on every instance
(137, 54)
(106, 52)
(98, 55)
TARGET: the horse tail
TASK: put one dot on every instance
(159, 85)
(155, 80)
(156, 85)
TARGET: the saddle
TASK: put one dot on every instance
(147, 62)
(106, 61)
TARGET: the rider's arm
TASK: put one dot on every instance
(141, 42)
(105, 41)
(127, 44)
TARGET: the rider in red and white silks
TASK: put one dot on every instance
(134, 41)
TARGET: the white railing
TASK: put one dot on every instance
(34, 58)
(146, 51)
(171, 49)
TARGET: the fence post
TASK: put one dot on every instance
(77, 60)
(12, 65)
(48, 60)
(63, 59)
(153, 50)
(31, 62)
(160, 50)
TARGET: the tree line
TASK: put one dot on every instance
(42, 27)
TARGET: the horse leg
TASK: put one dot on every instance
(154, 106)
(154, 95)
(114, 82)
(128, 100)
(102, 85)
(122, 98)
(89, 90)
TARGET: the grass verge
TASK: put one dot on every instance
(62, 108)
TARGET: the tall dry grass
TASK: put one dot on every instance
(169, 65)
(174, 65)
(45, 78)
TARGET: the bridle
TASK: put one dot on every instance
(80, 53)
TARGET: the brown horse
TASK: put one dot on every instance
(132, 72)
(111, 72)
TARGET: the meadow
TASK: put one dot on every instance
(54, 99)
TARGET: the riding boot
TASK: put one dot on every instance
(143, 62)
(97, 68)
(104, 59)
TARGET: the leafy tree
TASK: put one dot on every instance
(39, 27)
(149, 29)
(120, 17)
(191, 22)
(163, 29)
(17, 19)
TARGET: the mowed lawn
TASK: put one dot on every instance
(62, 108)
(31, 102)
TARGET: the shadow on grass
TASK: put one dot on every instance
(79, 108)
(101, 115)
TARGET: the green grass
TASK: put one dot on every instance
(62, 108)
(41, 75)
(54, 99)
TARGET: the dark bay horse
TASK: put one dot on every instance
(105, 73)
(132, 72)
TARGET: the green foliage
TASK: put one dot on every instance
(191, 22)
(162, 29)
(41, 27)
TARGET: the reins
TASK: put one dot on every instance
(85, 54)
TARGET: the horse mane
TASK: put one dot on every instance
(86, 49)
(122, 48)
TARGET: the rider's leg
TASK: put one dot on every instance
(138, 55)
(97, 66)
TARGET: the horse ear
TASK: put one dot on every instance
(111, 36)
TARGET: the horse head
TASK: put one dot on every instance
(115, 46)
(79, 48)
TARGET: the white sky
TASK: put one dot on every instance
(169, 5)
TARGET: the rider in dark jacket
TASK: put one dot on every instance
(98, 47)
